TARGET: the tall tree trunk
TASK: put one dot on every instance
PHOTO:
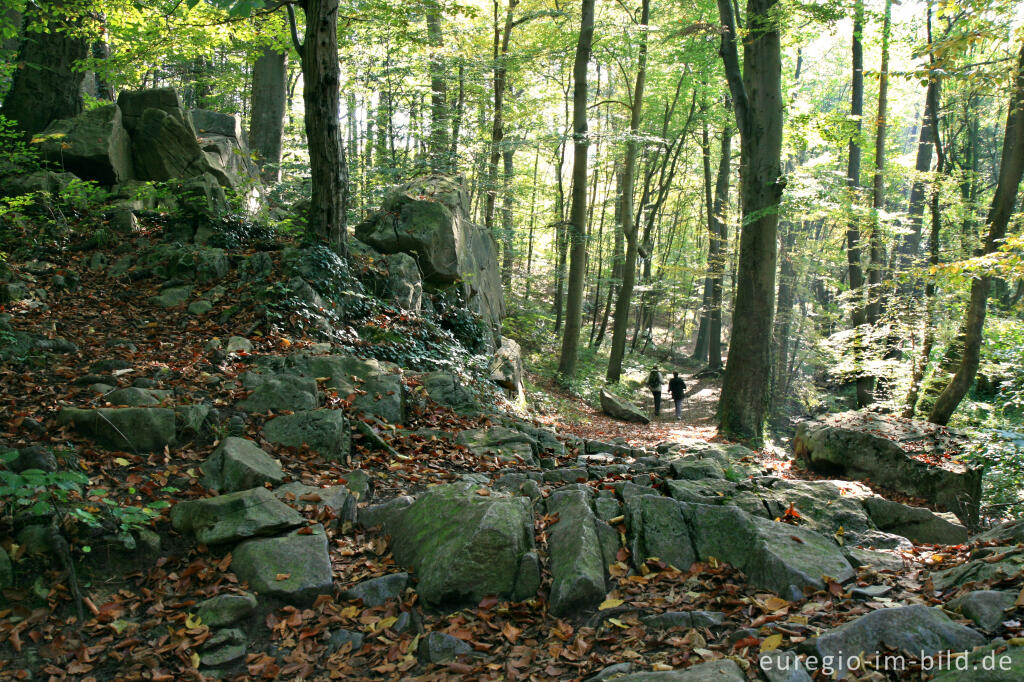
(266, 125)
(578, 213)
(719, 242)
(629, 226)
(910, 246)
(321, 77)
(1011, 169)
(617, 260)
(500, 51)
(439, 151)
(507, 232)
(533, 222)
(700, 346)
(757, 100)
(460, 102)
(46, 86)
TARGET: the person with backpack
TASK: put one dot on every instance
(654, 382)
(677, 388)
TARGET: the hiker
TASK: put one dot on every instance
(677, 387)
(654, 383)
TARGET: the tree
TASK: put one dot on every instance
(578, 211)
(757, 101)
(47, 87)
(1011, 170)
(440, 154)
(266, 126)
(628, 225)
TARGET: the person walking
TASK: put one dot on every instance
(654, 382)
(677, 388)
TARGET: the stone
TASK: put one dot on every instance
(916, 523)
(773, 555)
(657, 528)
(383, 515)
(234, 516)
(917, 629)
(694, 469)
(428, 218)
(722, 670)
(1008, 532)
(33, 457)
(506, 368)
(224, 647)
(199, 308)
(279, 391)
(985, 607)
(404, 283)
(225, 609)
(999, 661)
(866, 445)
(239, 464)
(293, 568)
(463, 546)
(256, 268)
(445, 389)
(497, 441)
(577, 563)
(136, 397)
(172, 297)
(981, 569)
(359, 483)
(824, 506)
(93, 145)
(340, 638)
(238, 344)
(136, 429)
(338, 499)
(439, 647)
(612, 672)
(191, 421)
(224, 143)
(46, 182)
(378, 591)
(618, 408)
(683, 619)
(376, 387)
(325, 431)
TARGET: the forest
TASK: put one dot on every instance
(335, 337)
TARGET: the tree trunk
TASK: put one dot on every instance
(266, 125)
(439, 152)
(757, 100)
(328, 170)
(719, 242)
(1011, 169)
(46, 86)
(508, 250)
(460, 102)
(578, 212)
(533, 221)
(629, 226)
(501, 42)
(700, 346)
(910, 246)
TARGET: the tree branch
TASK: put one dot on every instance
(731, 60)
(294, 29)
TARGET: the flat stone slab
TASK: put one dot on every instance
(143, 429)
(294, 568)
(234, 517)
(577, 563)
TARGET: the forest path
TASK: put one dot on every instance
(698, 416)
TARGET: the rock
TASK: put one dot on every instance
(1008, 532)
(136, 397)
(136, 429)
(240, 464)
(981, 569)
(577, 563)
(224, 143)
(238, 344)
(444, 389)
(93, 145)
(722, 670)
(46, 182)
(383, 515)
(225, 609)
(997, 662)
(694, 469)
(199, 308)
(439, 647)
(223, 648)
(612, 672)
(916, 523)
(683, 619)
(6, 570)
(917, 629)
(404, 283)
(33, 457)
(773, 555)
(614, 406)
(294, 568)
(377, 591)
(172, 297)
(338, 499)
(428, 217)
(497, 441)
(234, 517)
(657, 528)
(279, 392)
(824, 506)
(865, 445)
(985, 607)
(325, 431)
(191, 421)
(782, 666)
(463, 546)
(376, 386)
(507, 368)
(359, 483)
(340, 638)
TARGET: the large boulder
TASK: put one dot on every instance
(892, 452)
(429, 218)
(325, 431)
(240, 464)
(404, 282)
(164, 145)
(916, 523)
(657, 528)
(577, 563)
(224, 143)
(279, 391)
(93, 145)
(134, 429)
(618, 408)
(234, 517)
(464, 546)
(773, 555)
(987, 608)
(918, 629)
(507, 368)
(294, 568)
(446, 389)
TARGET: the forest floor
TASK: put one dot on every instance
(139, 623)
